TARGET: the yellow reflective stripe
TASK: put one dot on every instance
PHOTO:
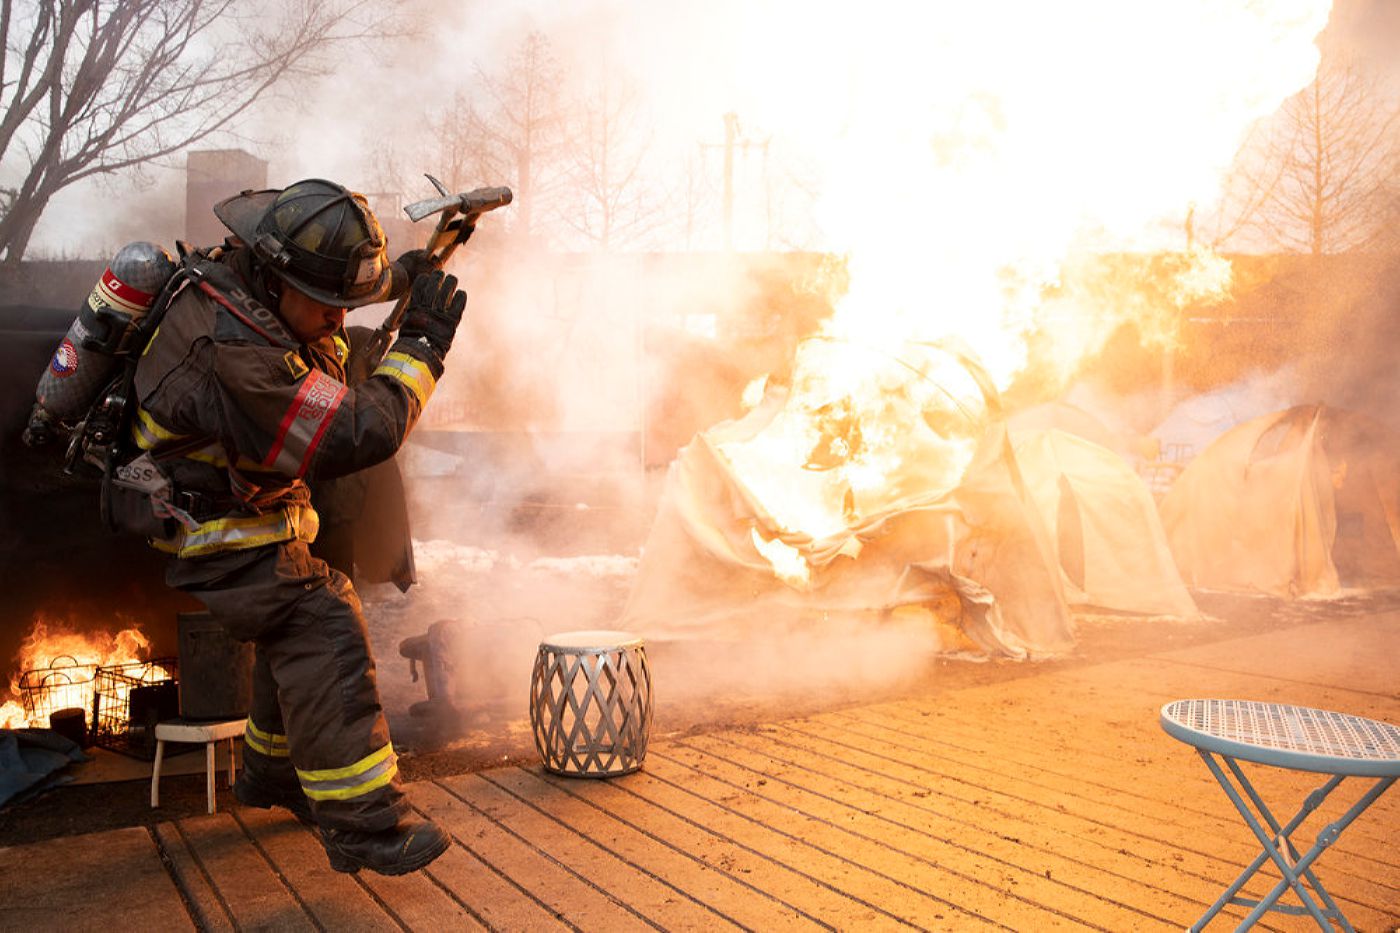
(147, 432)
(369, 773)
(272, 749)
(359, 767)
(210, 453)
(241, 533)
(346, 793)
(160, 431)
(270, 737)
(151, 342)
(412, 372)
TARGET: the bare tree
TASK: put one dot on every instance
(1321, 177)
(511, 130)
(96, 86)
(613, 203)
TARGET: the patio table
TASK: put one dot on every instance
(1301, 739)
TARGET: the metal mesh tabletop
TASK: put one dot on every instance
(1287, 736)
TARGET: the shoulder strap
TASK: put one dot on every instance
(219, 283)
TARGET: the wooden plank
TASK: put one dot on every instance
(1003, 892)
(996, 766)
(553, 886)
(256, 896)
(798, 844)
(648, 895)
(1045, 867)
(621, 800)
(570, 802)
(419, 902)
(497, 900)
(1102, 845)
(1337, 653)
(333, 899)
(202, 899)
(1072, 723)
(108, 881)
(1149, 766)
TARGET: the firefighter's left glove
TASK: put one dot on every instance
(434, 311)
(405, 270)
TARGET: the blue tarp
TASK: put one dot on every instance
(31, 761)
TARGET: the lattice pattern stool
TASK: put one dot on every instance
(177, 730)
(590, 703)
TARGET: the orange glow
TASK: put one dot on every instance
(981, 171)
(57, 665)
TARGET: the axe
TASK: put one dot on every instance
(457, 216)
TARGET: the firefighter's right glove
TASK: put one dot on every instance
(434, 311)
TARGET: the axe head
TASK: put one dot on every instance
(471, 203)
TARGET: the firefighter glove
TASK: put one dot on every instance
(407, 268)
(434, 311)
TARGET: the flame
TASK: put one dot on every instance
(1010, 183)
(788, 563)
(753, 392)
(56, 664)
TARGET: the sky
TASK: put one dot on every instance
(804, 77)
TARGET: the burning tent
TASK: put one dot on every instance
(949, 527)
(1070, 419)
(1103, 524)
(1295, 503)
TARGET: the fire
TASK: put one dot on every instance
(788, 562)
(981, 168)
(55, 668)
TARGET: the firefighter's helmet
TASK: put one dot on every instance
(317, 236)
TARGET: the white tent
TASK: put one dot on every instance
(979, 549)
(1103, 523)
(1295, 503)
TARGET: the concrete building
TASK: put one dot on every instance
(210, 176)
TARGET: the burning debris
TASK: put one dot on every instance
(56, 669)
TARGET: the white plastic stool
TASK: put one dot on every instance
(178, 730)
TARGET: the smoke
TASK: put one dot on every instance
(539, 441)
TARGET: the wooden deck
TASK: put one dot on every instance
(1050, 802)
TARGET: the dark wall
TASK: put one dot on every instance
(57, 562)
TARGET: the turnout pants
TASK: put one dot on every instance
(316, 726)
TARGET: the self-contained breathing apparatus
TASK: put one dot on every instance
(87, 388)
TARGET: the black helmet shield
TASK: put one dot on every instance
(316, 235)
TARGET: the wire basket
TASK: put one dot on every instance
(63, 684)
(127, 702)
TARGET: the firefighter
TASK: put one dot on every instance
(242, 398)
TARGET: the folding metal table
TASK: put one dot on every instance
(1301, 739)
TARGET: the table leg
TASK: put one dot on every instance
(1293, 869)
(1313, 801)
(1325, 838)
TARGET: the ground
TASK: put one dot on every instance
(497, 731)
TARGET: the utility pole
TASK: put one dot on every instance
(731, 132)
(731, 142)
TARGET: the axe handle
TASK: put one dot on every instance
(442, 243)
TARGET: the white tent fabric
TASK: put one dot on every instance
(1300, 502)
(982, 545)
(1104, 524)
(1070, 419)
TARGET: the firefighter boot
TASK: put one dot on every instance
(253, 793)
(407, 847)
